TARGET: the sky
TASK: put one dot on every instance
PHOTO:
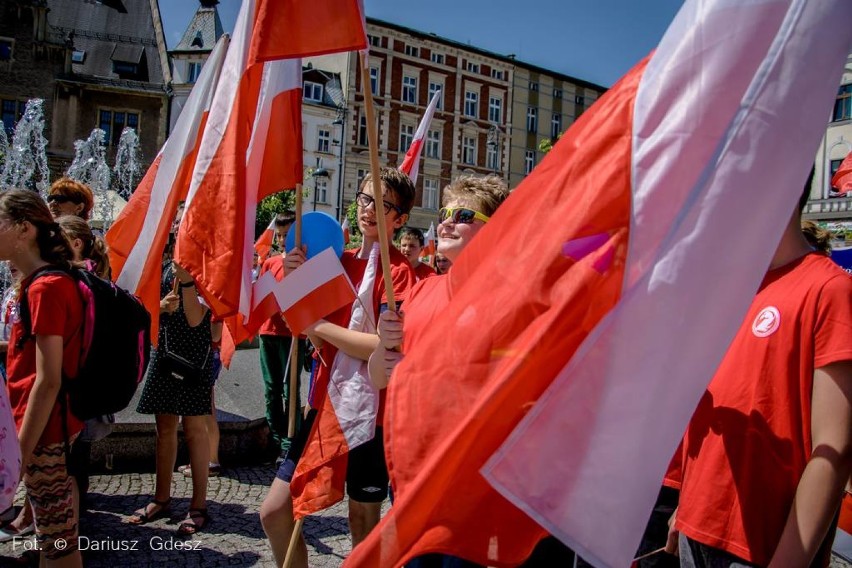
(597, 41)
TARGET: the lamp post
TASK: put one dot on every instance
(340, 120)
(318, 173)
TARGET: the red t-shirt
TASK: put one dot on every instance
(749, 440)
(403, 279)
(276, 324)
(55, 309)
(423, 270)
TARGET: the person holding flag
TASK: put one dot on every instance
(343, 349)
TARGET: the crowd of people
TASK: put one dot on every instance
(758, 479)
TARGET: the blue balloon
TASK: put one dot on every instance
(319, 232)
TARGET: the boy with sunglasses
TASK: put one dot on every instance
(366, 475)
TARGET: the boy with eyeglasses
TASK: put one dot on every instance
(366, 476)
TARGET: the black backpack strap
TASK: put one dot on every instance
(24, 303)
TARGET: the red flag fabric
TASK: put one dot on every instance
(841, 181)
(313, 28)
(410, 165)
(138, 237)
(637, 202)
(242, 159)
(429, 243)
(263, 244)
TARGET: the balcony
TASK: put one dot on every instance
(834, 208)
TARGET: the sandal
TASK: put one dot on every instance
(195, 520)
(213, 470)
(144, 515)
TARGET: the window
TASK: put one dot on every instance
(78, 56)
(495, 110)
(360, 175)
(438, 58)
(409, 89)
(193, 71)
(555, 126)
(362, 131)
(532, 119)
(433, 144)
(833, 166)
(496, 74)
(469, 150)
(323, 140)
(412, 51)
(7, 48)
(579, 99)
(843, 104)
(434, 88)
(406, 137)
(471, 100)
(312, 91)
(430, 193)
(375, 41)
(557, 93)
(374, 81)
(321, 189)
(529, 161)
(12, 111)
(112, 122)
(533, 86)
(491, 156)
(473, 67)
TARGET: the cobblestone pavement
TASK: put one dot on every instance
(234, 538)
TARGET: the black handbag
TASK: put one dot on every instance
(180, 368)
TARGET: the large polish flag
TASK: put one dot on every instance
(656, 217)
(251, 147)
(137, 238)
(411, 163)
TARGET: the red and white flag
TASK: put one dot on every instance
(598, 356)
(841, 181)
(347, 416)
(251, 148)
(411, 163)
(263, 244)
(429, 244)
(344, 226)
(314, 290)
(137, 238)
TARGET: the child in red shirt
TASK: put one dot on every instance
(411, 241)
(32, 241)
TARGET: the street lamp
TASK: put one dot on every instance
(340, 120)
(318, 173)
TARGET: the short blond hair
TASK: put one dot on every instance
(488, 191)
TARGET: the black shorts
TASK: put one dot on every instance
(366, 473)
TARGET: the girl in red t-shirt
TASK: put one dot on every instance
(32, 241)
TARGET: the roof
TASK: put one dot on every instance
(203, 31)
(108, 32)
(332, 95)
(484, 52)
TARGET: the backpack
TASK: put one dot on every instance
(115, 344)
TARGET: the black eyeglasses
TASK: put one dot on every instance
(365, 201)
(57, 198)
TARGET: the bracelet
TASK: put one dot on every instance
(190, 284)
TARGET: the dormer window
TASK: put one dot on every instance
(198, 41)
(126, 61)
(78, 56)
(312, 92)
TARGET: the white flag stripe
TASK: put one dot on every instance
(179, 145)
(316, 271)
(714, 187)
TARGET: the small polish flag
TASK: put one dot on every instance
(429, 243)
(345, 226)
(263, 244)
(411, 163)
(314, 290)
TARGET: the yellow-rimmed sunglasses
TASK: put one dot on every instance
(463, 215)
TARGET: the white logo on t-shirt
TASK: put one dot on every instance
(766, 322)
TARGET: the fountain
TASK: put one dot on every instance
(4, 148)
(25, 162)
(127, 171)
(90, 167)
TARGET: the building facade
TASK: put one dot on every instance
(829, 207)
(191, 52)
(477, 127)
(95, 64)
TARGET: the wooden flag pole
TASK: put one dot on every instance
(375, 169)
(294, 538)
(294, 341)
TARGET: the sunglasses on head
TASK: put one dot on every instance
(461, 215)
(57, 198)
(365, 201)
